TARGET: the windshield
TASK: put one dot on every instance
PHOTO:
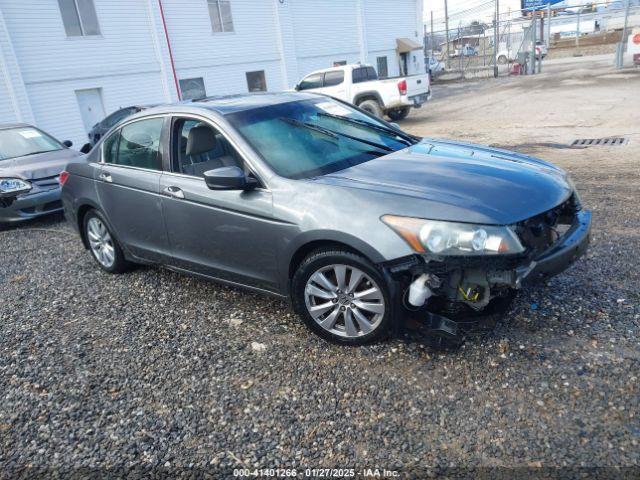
(315, 137)
(21, 141)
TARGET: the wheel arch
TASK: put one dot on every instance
(81, 213)
(370, 95)
(317, 240)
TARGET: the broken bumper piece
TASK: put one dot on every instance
(562, 255)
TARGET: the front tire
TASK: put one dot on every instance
(372, 107)
(342, 297)
(103, 245)
(398, 114)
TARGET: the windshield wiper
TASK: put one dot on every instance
(406, 138)
(334, 134)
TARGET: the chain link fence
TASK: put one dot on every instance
(522, 44)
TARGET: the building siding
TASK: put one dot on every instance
(41, 68)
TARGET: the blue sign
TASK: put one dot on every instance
(537, 4)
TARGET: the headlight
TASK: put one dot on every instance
(576, 195)
(13, 186)
(449, 238)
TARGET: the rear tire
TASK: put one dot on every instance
(103, 245)
(398, 114)
(372, 107)
(342, 297)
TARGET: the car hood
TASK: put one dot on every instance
(468, 181)
(41, 165)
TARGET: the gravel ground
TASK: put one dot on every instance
(156, 370)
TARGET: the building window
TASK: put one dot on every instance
(383, 69)
(192, 88)
(79, 17)
(220, 13)
(256, 81)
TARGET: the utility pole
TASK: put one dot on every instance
(532, 60)
(496, 38)
(624, 35)
(424, 38)
(548, 25)
(431, 41)
(446, 26)
(577, 54)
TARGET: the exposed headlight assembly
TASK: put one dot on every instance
(13, 186)
(454, 239)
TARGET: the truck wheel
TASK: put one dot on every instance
(502, 60)
(372, 107)
(399, 113)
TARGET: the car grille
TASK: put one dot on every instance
(46, 181)
(541, 232)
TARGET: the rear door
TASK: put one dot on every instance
(229, 235)
(129, 187)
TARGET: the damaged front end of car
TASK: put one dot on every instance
(463, 277)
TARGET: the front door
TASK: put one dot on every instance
(229, 235)
(91, 107)
(129, 188)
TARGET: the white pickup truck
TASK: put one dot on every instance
(359, 85)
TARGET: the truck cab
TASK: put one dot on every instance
(360, 85)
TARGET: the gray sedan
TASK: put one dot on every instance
(308, 198)
(30, 163)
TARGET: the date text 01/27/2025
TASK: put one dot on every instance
(315, 473)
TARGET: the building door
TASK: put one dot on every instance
(91, 107)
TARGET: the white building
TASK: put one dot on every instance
(64, 64)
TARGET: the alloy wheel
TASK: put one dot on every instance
(344, 300)
(101, 242)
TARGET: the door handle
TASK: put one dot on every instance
(175, 192)
(106, 177)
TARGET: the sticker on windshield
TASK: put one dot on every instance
(29, 133)
(333, 108)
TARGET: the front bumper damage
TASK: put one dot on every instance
(40, 200)
(469, 295)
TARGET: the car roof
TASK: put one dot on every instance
(5, 126)
(227, 104)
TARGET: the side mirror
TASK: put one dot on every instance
(229, 178)
(297, 87)
(67, 143)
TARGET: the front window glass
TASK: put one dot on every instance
(22, 141)
(315, 137)
(198, 148)
(312, 81)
